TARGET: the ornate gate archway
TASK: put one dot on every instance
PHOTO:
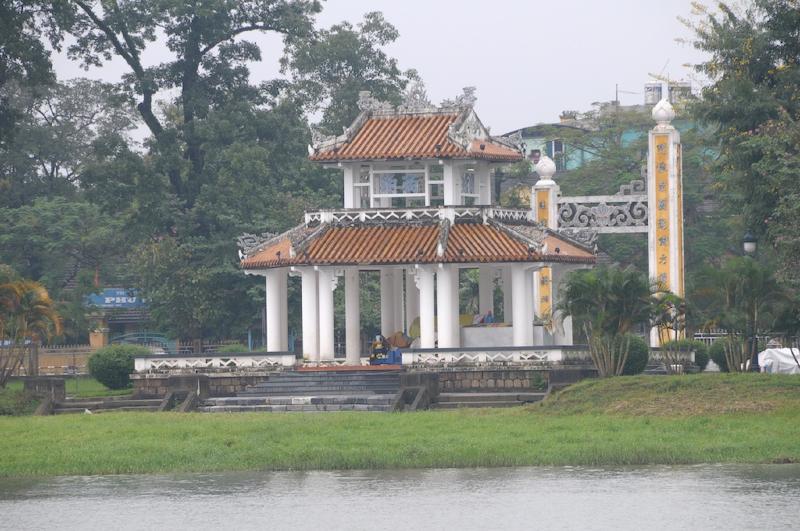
(654, 207)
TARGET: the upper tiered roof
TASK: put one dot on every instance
(416, 130)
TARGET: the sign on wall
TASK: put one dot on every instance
(116, 298)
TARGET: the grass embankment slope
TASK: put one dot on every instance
(621, 421)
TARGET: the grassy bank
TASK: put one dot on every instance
(80, 387)
(632, 420)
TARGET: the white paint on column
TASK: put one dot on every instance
(412, 299)
(521, 280)
(349, 191)
(352, 317)
(273, 310)
(284, 310)
(486, 289)
(507, 295)
(326, 339)
(310, 317)
(398, 300)
(387, 304)
(447, 304)
(427, 330)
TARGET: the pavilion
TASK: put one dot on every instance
(418, 207)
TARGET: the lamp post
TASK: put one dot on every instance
(750, 246)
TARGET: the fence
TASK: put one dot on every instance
(710, 336)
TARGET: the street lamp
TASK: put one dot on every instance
(749, 243)
(749, 246)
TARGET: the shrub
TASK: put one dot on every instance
(700, 350)
(717, 353)
(112, 365)
(638, 356)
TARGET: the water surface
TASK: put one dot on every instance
(687, 497)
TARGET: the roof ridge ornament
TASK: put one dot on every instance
(366, 102)
(248, 243)
(466, 99)
(416, 101)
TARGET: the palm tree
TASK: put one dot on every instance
(27, 315)
(746, 297)
(610, 302)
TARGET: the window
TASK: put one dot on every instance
(402, 188)
(469, 190)
(557, 151)
(361, 197)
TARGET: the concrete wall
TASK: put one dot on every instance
(157, 385)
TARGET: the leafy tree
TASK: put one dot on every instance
(609, 303)
(209, 63)
(26, 28)
(749, 300)
(27, 315)
(55, 138)
(753, 101)
(330, 69)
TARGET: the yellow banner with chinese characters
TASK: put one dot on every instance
(662, 205)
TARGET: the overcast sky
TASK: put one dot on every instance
(529, 60)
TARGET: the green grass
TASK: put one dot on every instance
(80, 387)
(14, 402)
(592, 423)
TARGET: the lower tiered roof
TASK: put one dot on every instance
(413, 236)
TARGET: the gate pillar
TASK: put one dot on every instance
(665, 197)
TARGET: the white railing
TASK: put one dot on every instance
(474, 357)
(220, 361)
(419, 214)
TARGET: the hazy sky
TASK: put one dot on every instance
(528, 59)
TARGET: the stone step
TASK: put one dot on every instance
(68, 410)
(492, 403)
(298, 408)
(300, 400)
(287, 391)
(490, 397)
(107, 404)
(327, 381)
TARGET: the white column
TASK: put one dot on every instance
(447, 304)
(452, 184)
(412, 299)
(427, 331)
(507, 295)
(486, 289)
(274, 310)
(352, 317)
(284, 311)
(326, 340)
(398, 299)
(387, 304)
(308, 278)
(483, 184)
(521, 282)
(349, 191)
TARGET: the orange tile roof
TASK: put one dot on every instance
(412, 136)
(396, 243)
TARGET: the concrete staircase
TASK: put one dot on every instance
(475, 400)
(105, 404)
(314, 391)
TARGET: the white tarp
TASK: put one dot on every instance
(780, 360)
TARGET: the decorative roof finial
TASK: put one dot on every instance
(663, 113)
(546, 168)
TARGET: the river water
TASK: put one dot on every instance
(686, 497)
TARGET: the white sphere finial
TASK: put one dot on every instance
(663, 113)
(546, 168)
